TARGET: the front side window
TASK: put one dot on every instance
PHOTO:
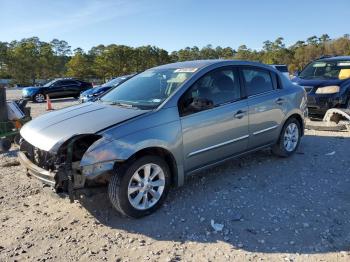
(257, 81)
(327, 70)
(148, 89)
(214, 89)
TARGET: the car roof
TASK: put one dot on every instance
(205, 63)
(334, 58)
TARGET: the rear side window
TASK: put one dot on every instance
(257, 81)
(68, 82)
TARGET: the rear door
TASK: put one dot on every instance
(265, 102)
(71, 88)
(218, 129)
(55, 90)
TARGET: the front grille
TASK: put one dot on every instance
(39, 157)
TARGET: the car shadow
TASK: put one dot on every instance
(267, 204)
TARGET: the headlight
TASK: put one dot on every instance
(328, 90)
(28, 92)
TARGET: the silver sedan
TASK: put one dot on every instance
(161, 125)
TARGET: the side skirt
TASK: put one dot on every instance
(197, 170)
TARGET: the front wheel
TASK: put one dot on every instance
(289, 139)
(141, 188)
(39, 98)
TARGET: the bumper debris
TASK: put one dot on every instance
(335, 119)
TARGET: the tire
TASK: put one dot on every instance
(39, 98)
(5, 145)
(347, 106)
(125, 201)
(281, 148)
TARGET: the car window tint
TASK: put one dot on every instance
(67, 82)
(214, 89)
(257, 81)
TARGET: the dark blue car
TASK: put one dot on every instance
(57, 88)
(92, 94)
(327, 83)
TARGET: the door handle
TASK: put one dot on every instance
(239, 114)
(280, 101)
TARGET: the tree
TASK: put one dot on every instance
(313, 40)
(61, 51)
(79, 65)
(30, 59)
(4, 49)
(24, 58)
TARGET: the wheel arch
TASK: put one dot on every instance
(299, 118)
(166, 155)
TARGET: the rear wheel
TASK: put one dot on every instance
(289, 139)
(39, 98)
(141, 188)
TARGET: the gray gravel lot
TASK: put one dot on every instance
(271, 209)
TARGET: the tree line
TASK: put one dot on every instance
(30, 59)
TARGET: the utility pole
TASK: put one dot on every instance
(3, 105)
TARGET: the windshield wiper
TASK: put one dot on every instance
(120, 104)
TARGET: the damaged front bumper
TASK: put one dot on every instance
(62, 172)
(43, 175)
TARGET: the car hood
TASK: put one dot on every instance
(31, 88)
(317, 82)
(48, 132)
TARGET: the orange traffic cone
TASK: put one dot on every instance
(48, 103)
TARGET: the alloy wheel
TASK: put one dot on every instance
(146, 186)
(39, 98)
(291, 137)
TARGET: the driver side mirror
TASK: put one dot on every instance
(197, 104)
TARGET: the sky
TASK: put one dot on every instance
(172, 24)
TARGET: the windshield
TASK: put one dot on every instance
(327, 70)
(115, 81)
(148, 89)
(49, 83)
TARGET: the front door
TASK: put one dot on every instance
(55, 89)
(214, 119)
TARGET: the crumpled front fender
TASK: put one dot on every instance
(105, 153)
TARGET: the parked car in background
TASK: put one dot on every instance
(57, 88)
(144, 136)
(283, 69)
(327, 83)
(93, 93)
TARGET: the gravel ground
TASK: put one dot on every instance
(271, 209)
